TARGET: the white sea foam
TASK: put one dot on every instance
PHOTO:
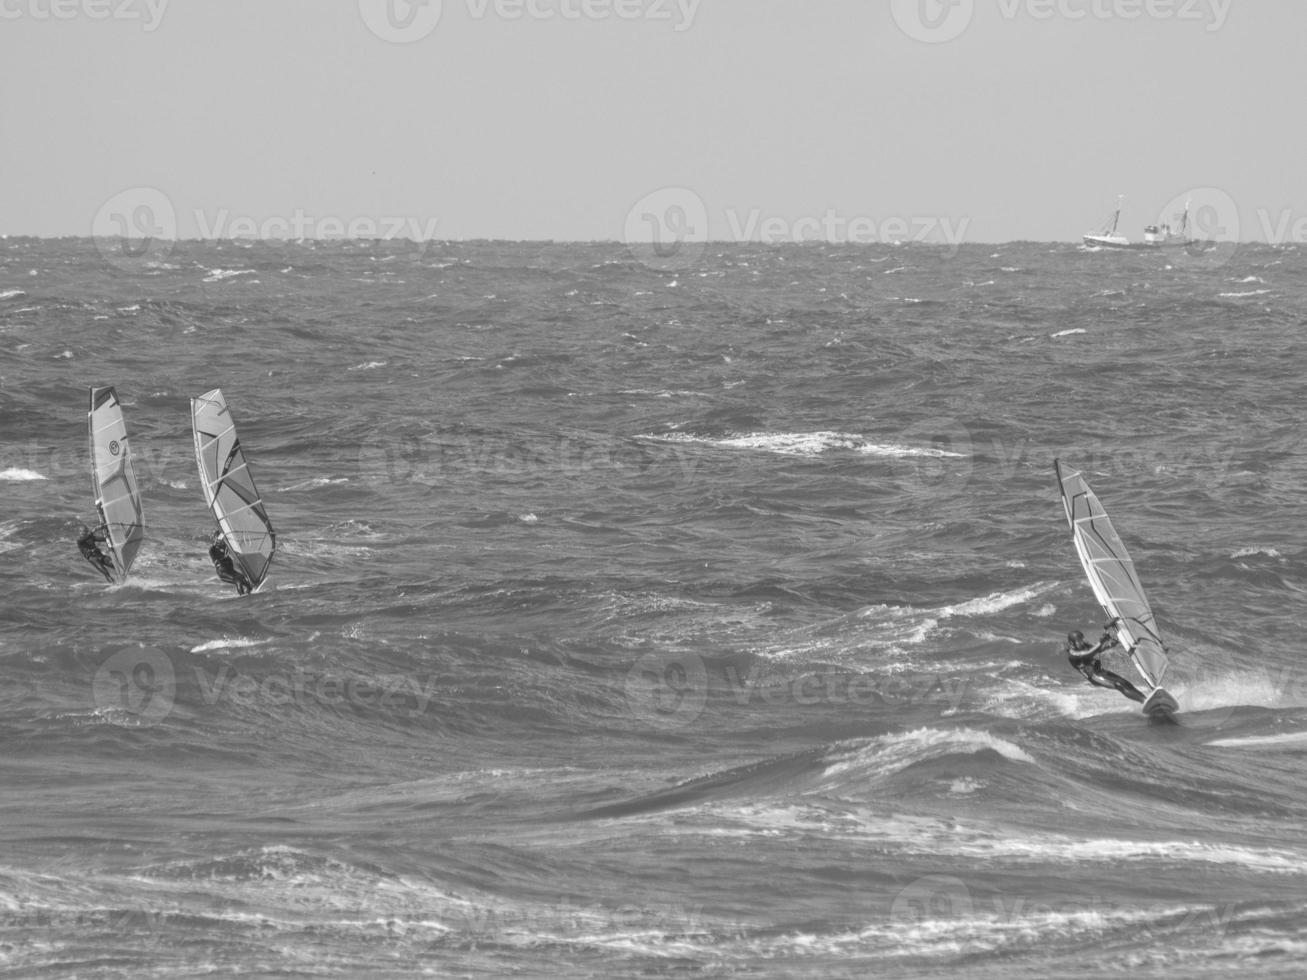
(317, 481)
(17, 474)
(806, 444)
(228, 643)
(890, 753)
(1249, 552)
(995, 601)
(1067, 333)
(220, 275)
(1291, 740)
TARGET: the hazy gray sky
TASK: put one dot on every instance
(983, 120)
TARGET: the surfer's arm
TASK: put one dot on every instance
(1105, 642)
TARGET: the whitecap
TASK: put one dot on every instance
(218, 275)
(17, 474)
(228, 643)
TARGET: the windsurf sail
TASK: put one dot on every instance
(1112, 576)
(229, 488)
(117, 498)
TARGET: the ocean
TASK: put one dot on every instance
(640, 615)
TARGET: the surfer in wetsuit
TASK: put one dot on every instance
(225, 565)
(1084, 658)
(89, 545)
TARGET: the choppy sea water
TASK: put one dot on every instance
(641, 619)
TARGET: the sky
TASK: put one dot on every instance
(652, 120)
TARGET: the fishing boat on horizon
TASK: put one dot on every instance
(1108, 237)
(1161, 236)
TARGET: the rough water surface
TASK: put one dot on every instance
(635, 621)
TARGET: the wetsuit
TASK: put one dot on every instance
(1085, 659)
(225, 566)
(89, 545)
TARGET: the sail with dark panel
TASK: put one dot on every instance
(229, 488)
(117, 497)
(1112, 576)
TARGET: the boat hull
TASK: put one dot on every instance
(1107, 241)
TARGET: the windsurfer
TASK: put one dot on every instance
(89, 545)
(1084, 658)
(225, 565)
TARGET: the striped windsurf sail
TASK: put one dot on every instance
(1112, 576)
(229, 488)
(117, 498)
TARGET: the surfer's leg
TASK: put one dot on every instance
(1130, 691)
(1123, 685)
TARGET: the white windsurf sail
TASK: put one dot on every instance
(229, 488)
(117, 498)
(1112, 576)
